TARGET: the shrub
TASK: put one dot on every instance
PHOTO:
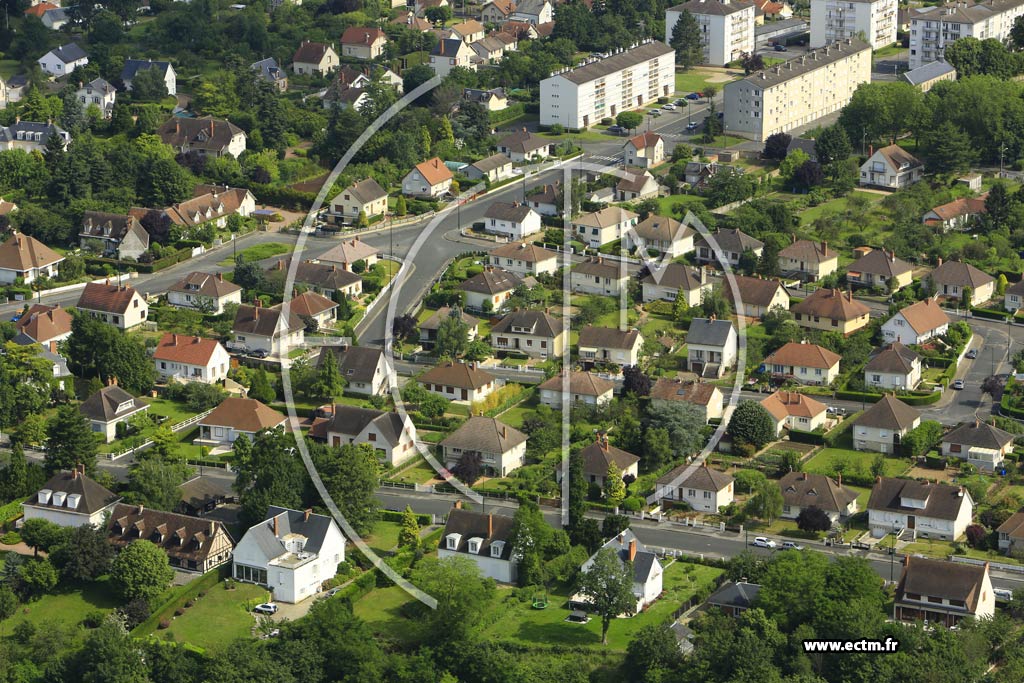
(976, 536)
(164, 623)
(188, 603)
(10, 538)
(178, 612)
(93, 619)
(633, 504)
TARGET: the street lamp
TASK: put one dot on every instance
(892, 554)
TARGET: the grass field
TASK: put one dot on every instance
(695, 81)
(824, 462)
(381, 610)
(420, 473)
(835, 206)
(258, 252)
(515, 415)
(219, 617)
(68, 605)
(384, 536)
(665, 204)
(723, 141)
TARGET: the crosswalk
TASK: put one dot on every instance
(604, 158)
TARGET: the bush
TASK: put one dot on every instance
(178, 612)
(10, 538)
(632, 504)
(164, 623)
(976, 534)
(188, 603)
(93, 619)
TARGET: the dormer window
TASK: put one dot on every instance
(452, 541)
(497, 548)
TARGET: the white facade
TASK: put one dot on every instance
(898, 329)
(215, 369)
(134, 314)
(705, 501)
(277, 346)
(196, 300)
(390, 454)
(553, 398)
(585, 283)
(726, 28)
(524, 268)
(500, 463)
(513, 229)
(933, 28)
(894, 380)
(450, 54)
(836, 20)
(882, 522)
(581, 97)
(53, 65)
(502, 571)
(878, 439)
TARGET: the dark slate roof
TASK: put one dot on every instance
(508, 211)
(804, 489)
(642, 561)
(607, 337)
(889, 413)
(814, 59)
(491, 281)
(351, 420)
(617, 62)
(805, 145)
(540, 323)
(942, 579)
(69, 53)
(356, 363)
(202, 490)
(489, 527)
(133, 66)
(894, 358)
(486, 435)
(732, 240)
(600, 454)
(290, 522)
(709, 332)
(941, 501)
(928, 72)
(94, 496)
(979, 434)
(269, 70)
(712, 7)
(102, 406)
(675, 276)
(320, 275)
(739, 594)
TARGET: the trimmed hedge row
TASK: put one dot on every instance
(990, 313)
(512, 111)
(9, 513)
(916, 399)
(283, 197)
(180, 594)
(393, 516)
(807, 437)
(833, 436)
(152, 267)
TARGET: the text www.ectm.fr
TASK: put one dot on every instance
(863, 645)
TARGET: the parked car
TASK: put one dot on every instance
(680, 102)
(836, 410)
(692, 125)
(669, 107)
(334, 591)
(762, 542)
(790, 545)
(259, 353)
(972, 354)
(654, 112)
(780, 48)
(1002, 594)
(265, 608)
(958, 384)
(693, 96)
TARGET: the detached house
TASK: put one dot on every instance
(636, 186)
(501, 448)
(599, 455)
(726, 246)
(365, 197)
(497, 11)
(877, 268)
(706, 397)
(943, 593)
(949, 280)
(983, 445)
(524, 258)
(314, 58)
(702, 488)
(25, 258)
(711, 347)
(808, 260)
(891, 167)
(1011, 533)
(523, 145)
(609, 346)
(363, 42)
(806, 363)
(429, 327)
(894, 367)
(365, 368)
(804, 490)
(584, 388)
(645, 150)
(132, 67)
(99, 93)
(459, 381)
(793, 410)
(545, 199)
(1013, 299)
(204, 292)
(348, 252)
(468, 31)
(831, 309)
(647, 571)
(914, 508)
(916, 323)
(881, 427)
(534, 333)
(70, 499)
(190, 543)
(392, 437)
(486, 539)
(269, 71)
(313, 306)
(660, 233)
(604, 226)
(45, 324)
(266, 329)
(449, 53)
(599, 276)
(212, 204)
(205, 135)
(31, 136)
(185, 358)
(489, 290)
(117, 304)
(62, 60)
(113, 235)
(291, 552)
(236, 417)
(754, 296)
(958, 214)
(110, 406)
(675, 281)
(429, 178)
(495, 167)
(513, 221)
(533, 12)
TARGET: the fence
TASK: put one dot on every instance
(1001, 566)
(184, 424)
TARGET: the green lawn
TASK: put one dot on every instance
(694, 81)
(381, 609)
(8, 68)
(824, 462)
(889, 51)
(174, 412)
(665, 204)
(384, 536)
(69, 605)
(219, 617)
(258, 252)
(835, 206)
(723, 141)
(420, 473)
(515, 415)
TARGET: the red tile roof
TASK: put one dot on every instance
(181, 348)
(108, 297)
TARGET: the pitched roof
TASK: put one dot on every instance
(489, 527)
(832, 303)
(894, 358)
(506, 7)
(753, 291)
(411, 20)
(644, 140)
(133, 66)
(204, 284)
(93, 496)
(310, 52)
(40, 9)
(617, 62)
(180, 536)
(43, 323)
(712, 7)
(434, 171)
(806, 489)
(23, 252)
(877, 262)
(269, 69)
(103, 405)
(959, 273)
(889, 413)
(280, 523)
(803, 355)
(352, 420)
(545, 194)
(783, 404)
(355, 363)
(523, 251)
(958, 581)
(598, 266)
(697, 393)
(739, 594)
(201, 490)
(1013, 526)
(468, 27)
(634, 182)
(941, 501)
(100, 85)
(320, 275)
(106, 296)
(813, 60)
(897, 157)
(979, 434)
(449, 47)
(210, 202)
(925, 316)
(491, 281)
(204, 132)
(366, 191)
(68, 53)
(731, 240)
(964, 206)
(362, 35)
(434, 321)
(608, 337)
(522, 141)
(508, 211)
(540, 323)
(459, 375)
(606, 217)
(1016, 288)
(643, 559)
(580, 383)
(808, 251)
(309, 304)
(113, 225)
(705, 478)
(488, 164)
(600, 454)
(264, 322)
(929, 71)
(244, 415)
(486, 435)
(705, 332)
(663, 228)
(181, 348)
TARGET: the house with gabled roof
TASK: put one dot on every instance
(831, 310)
(501, 448)
(793, 410)
(26, 258)
(729, 246)
(365, 368)
(808, 260)
(210, 204)
(735, 598)
(191, 544)
(469, 31)
(429, 327)
(365, 197)
(62, 60)
(497, 11)
(511, 220)
(204, 135)
(604, 226)
(494, 167)
(490, 289)
(132, 67)
(70, 499)
(919, 508)
(522, 145)
(892, 168)
(451, 53)
(675, 281)
(598, 275)
(363, 42)
(524, 258)
(806, 363)
(583, 387)
(1013, 298)
(324, 278)
(881, 427)
(894, 367)
(647, 570)
(459, 381)
(1011, 534)
(110, 406)
(266, 329)
(925, 77)
(485, 538)
(755, 296)
(185, 358)
(31, 136)
(802, 490)
(635, 186)
(950, 279)
(702, 488)
(943, 592)
(711, 346)
(879, 268)
(705, 396)
(533, 12)
(236, 417)
(291, 552)
(599, 455)
(916, 323)
(490, 49)
(392, 436)
(644, 150)
(313, 306)
(535, 333)
(115, 303)
(44, 324)
(269, 71)
(981, 444)
(608, 345)
(430, 178)
(671, 237)
(204, 292)
(409, 19)
(545, 200)
(314, 58)
(958, 214)
(96, 92)
(113, 235)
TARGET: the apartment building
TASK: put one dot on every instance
(726, 27)
(933, 28)
(797, 92)
(628, 79)
(833, 21)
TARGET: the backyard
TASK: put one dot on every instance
(384, 536)
(258, 252)
(219, 617)
(67, 605)
(174, 413)
(827, 460)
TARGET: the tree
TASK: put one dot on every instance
(653, 655)
(148, 85)
(813, 518)
(630, 120)
(154, 482)
(833, 145)
(614, 487)
(110, 654)
(469, 468)
(352, 475)
(452, 336)
(141, 570)
(400, 207)
(714, 303)
(776, 146)
(270, 474)
(85, 554)
(635, 381)
(751, 62)
(713, 126)
(260, 388)
(766, 503)
(409, 534)
(461, 594)
(919, 440)
(608, 586)
(405, 327)
(329, 383)
(751, 423)
(37, 577)
(530, 534)
(438, 15)
(41, 534)
(948, 149)
(8, 602)
(685, 425)
(16, 475)
(793, 161)
(69, 441)
(577, 489)
(362, 222)
(808, 176)
(686, 40)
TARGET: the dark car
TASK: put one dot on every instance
(259, 353)
(693, 96)
(780, 48)
(616, 130)
(973, 353)
(692, 125)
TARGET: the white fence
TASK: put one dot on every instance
(1001, 566)
(184, 424)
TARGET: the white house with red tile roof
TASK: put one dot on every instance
(806, 363)
(25, 257)
(363, 42)
(644, 150)
(430, 178)
(916, 323)
(115, 303)
(236, 417)
(185, 358)
(792, 410)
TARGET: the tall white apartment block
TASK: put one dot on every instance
(933, 28)
(798, 91)
(833, 21)
(628, 79)
(726, 27)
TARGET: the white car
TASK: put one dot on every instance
(1003, 594)
(669, 107)
(265, 608)
(790, 545)
(762, 542)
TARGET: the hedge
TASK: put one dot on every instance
(1007, 410)
(179, 594)
(9, 513)
(921, 399)
(989, 313)
(512, 111)
(864, 396)
(916, 399)
(832, 436)
(939, 362)
(393, 516)
(283, 197)
(806, 437)
(159, 264)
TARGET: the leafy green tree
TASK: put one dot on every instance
(148, 86)
(776, 146)
(8, 602)
(96, 349)
(922, 438)
(751, 423)
(577, 489)
(530, 535)
(684, 423)
(948, 149)
(608, 586)
(452, 336)
(713, 302)
(461, 593)
(329, 383)
(400, 206)
(260, 388)
(352, 475)
(833, 145)
(686, 41)
(38, 577)
(270, 475)
(793, 161)
(69, 441)
(84, 555)
(614, 487)
(653, 655)
(630, 120)
(41, 534)
(766, 503)
(409, 534)
(110, 654)
(154, 482)
(141, 570)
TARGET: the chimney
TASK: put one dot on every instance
(142, 508)
(960, 492)
(839, 479)
(632, 550)
(504, 432)
(213, 529)
(174, 339)
(220, 276)
(490, 525)
(53, 347)
(306, 515)
(940, 261)
(622, 539)
(74, 472)
(276, 533)
(442, 46)
(211, 128)
(824, 247)
(458, 505)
